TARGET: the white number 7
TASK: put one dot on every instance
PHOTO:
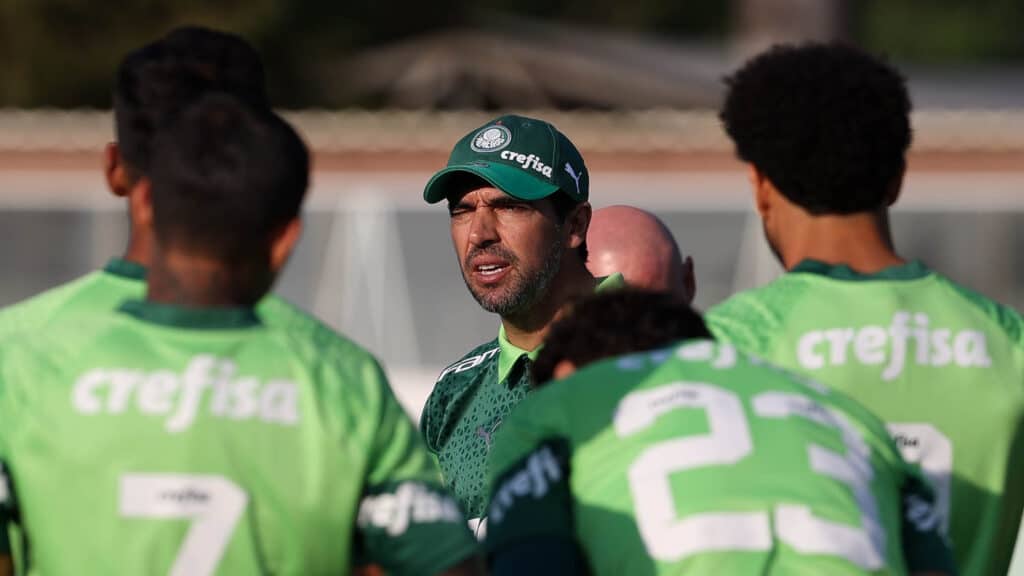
(213, 503)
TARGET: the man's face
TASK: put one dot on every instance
(509, 249)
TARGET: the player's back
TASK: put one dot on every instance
(942, 366)
(698, 460)
(204, 441)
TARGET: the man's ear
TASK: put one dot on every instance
(563, 369)
(284, 241)
(579, 223)
(117, 174)
(689, 280)
(140, 204)
(763, 191)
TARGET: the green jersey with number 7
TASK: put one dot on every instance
(696, 459)
(162, 440)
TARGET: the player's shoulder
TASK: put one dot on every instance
(1007, 320)
(290, 322)
(64, 340)
(764, 307)
(471, 364)
(40, 307)
(463, 374)
(768, 303)
(347, 379)
(457, 380)
(748, 319)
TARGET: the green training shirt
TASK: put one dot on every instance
(469, 401)
(163, 440)
(941, 365)
(104, 290)
(696, 459)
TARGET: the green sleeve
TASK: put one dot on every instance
(28, 315)
(531, 498)
(924, 546)
(407, 523)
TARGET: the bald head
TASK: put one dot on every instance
(637, 244)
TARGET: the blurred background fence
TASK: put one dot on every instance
(377, 263)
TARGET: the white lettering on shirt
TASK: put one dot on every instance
(180, 397)
(909, 338)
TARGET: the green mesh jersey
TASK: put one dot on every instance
(158, 440)
(465, 409)
(462, 414)
(942, 366)
(695, 459)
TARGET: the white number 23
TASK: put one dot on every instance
(729, 441)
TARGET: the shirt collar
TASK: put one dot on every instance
(191, 318)
(912, 270)
(509, 354)
(125, 269)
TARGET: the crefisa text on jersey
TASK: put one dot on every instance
(891, 346)
(180, 396)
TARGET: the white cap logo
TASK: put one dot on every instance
(491, 139)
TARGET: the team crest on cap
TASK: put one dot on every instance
(491, 139)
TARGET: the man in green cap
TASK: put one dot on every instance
(517, 192)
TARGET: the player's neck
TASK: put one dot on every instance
(140, 244)
(192, 281)
(528, 329)
(861, 241)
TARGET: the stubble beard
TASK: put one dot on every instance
(521, 292)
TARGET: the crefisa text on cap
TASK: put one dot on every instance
(527, 161)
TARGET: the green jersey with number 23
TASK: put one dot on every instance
(697, 459)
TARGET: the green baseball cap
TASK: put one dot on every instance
(523, 157)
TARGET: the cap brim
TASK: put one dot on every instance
(509, 179)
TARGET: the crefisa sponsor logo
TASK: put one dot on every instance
(208, 383)
(411, 503)
(533, 480)
(527, 162)
(910, 337)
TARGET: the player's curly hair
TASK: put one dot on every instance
(616, 323)
(828, 124)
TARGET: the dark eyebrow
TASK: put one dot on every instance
(453, 206)
(506, 201)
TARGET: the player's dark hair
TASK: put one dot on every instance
(155, 82)
(828, 124)
(226, 177)
(616, 323)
